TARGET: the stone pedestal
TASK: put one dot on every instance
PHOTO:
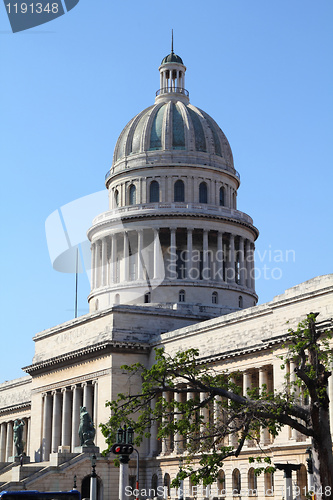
(86, 449)
(19, 460)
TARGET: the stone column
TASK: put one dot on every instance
(173, 256)
(114, 261)
(25, 435)
(218, 410)
(111, 263)
(233, 437)
(166, 440)
(139, 255)
(104, 262)
(93, 279)
(66, 417)
(3, 435)
(219, 257)
(47, 426)
(178, 446)
(157, 263)
(29, 436)
(95, 401)
(56, 421)
(87, 397)
(205, 266)
(9, 440)
(126, 257)
(96, 265)
(204, 412)
(263, 380)
(330, 395)
(242, 270)
(189, 396)
(247, 380)
(231, 267)
(189, 263)
(153, 434)
(77, 395)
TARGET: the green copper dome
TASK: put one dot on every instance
(172, 58)
(174, 125)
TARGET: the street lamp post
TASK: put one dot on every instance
(181, 483)
(93, 479)
(124, 448)
(309, 464)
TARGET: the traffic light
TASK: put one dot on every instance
(122, 449)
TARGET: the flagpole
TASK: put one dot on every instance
(76, 280)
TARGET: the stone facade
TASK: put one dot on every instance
(172, 266)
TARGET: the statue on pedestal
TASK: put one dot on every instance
(18, 437)
(86, 429)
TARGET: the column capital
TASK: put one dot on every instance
(75, 386)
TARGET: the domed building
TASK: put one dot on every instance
(173, 236)
(172, 267)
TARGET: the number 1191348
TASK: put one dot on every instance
(32, 8)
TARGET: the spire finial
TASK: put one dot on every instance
(172, 41)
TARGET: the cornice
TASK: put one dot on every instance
(14, 408)
(83, 353)
(174, 215)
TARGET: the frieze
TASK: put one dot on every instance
(70, 335)
(15, 397)
(72, 381)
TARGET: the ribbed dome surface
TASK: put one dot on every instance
(174, 125)
(172, 58)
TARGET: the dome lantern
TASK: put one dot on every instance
(172, 77)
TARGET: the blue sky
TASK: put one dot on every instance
(262, 70)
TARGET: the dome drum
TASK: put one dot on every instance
(129, 259)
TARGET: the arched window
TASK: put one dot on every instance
(182, 296)
(236, 482)
(96, 305)
(117, 298)
(147, 298)
(166, 484)
(269, 484)
(154, 483)
(215, 298)
(222, 197)
(302, 482)
(252, 483)
(179, 191)
(116, 197)
(132, 195)
(154, 192)
(221, 489)
(240, 302)
(203, 193)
